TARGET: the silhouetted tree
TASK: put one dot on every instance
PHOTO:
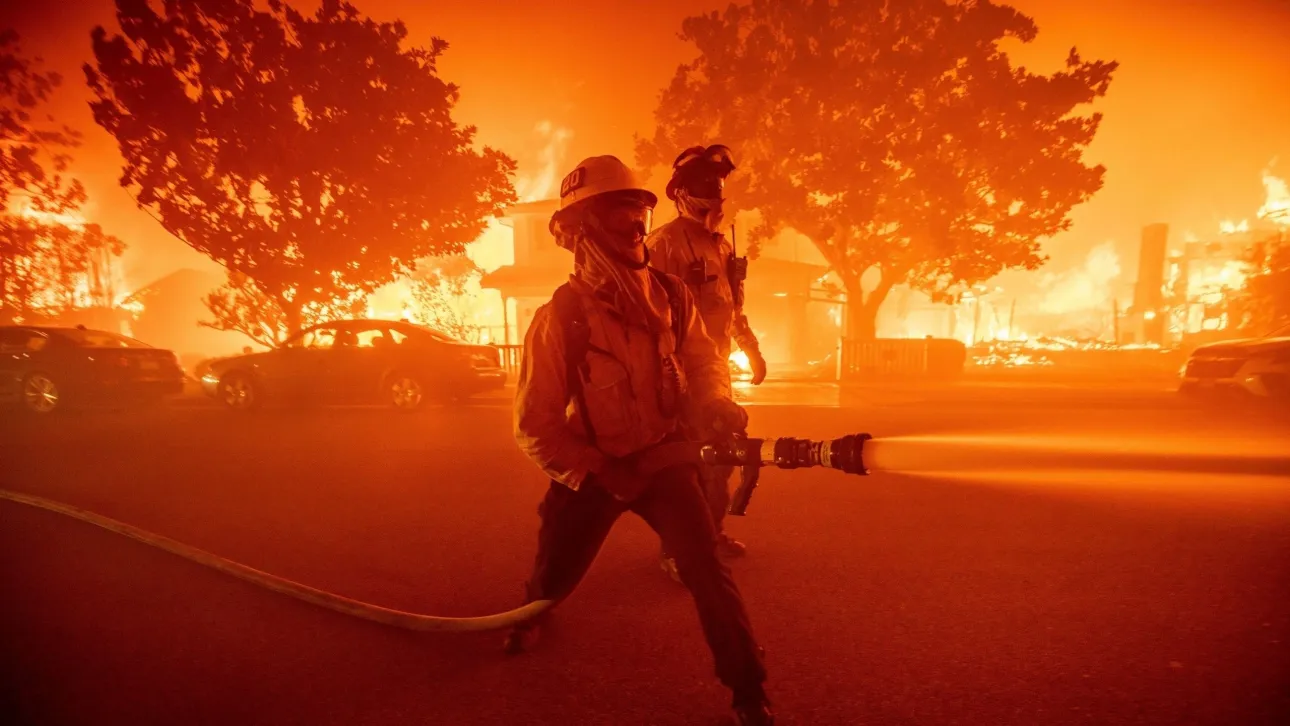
(20, 282)
(1263, 304)
(33, 152)
(33, 159)
(313, 156)
(896, 134)
(49, 268)
(440, 296)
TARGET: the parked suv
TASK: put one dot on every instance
(1258, 366)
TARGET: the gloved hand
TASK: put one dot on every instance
(722, 417)
(621, 479)
(758, 365)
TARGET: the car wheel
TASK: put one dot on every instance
(238, 392)
(40, 394)
(405, 391)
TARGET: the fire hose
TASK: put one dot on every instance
(844, 454)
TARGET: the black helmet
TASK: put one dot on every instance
(701, 171)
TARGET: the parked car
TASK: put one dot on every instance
(44, 369)
(357, 361)
(1257, 366)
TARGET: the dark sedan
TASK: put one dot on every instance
(357, 361)
(43, 369)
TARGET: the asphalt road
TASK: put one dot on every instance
(1059, 576)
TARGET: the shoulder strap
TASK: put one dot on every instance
(675, 301)
(577, 341)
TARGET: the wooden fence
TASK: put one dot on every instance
(864, 360)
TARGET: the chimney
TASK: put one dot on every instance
(1148, 294)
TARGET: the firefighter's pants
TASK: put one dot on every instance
(575, 524)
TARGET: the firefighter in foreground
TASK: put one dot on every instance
(692, 248)
(615, 364)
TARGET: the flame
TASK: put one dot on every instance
(72, 220)
(1230, 227)
(739, 359)
(135, 307)
(89, 287)
(1212, 277)
(1035, 352)
(543, 184)
(1088, 287)
(494, 248)
(1276, 206)
(1005, 337)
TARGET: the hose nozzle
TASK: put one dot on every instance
(846, 454)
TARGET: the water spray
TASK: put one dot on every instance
(950, 454)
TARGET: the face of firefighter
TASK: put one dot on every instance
(707, 186)
(703, 199)
(623, 225)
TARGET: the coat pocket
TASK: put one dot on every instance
(607, 391)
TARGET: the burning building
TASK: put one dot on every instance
(1145, 321)
(795, 312)
(1188, 296)
(165, 313)
(539, 267)
(1203, 279)
(792, 311)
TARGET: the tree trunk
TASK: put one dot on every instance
(6, 305)
(862, 320)
(862, 311)
(291, 313)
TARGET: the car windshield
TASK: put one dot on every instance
(99, 339)
(1281, 332)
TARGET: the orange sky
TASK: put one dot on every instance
(1200, 105)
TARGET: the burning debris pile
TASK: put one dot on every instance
(1045, 350)
(1062, 351)
(1006, 354)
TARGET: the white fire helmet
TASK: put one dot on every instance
(596, 176)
